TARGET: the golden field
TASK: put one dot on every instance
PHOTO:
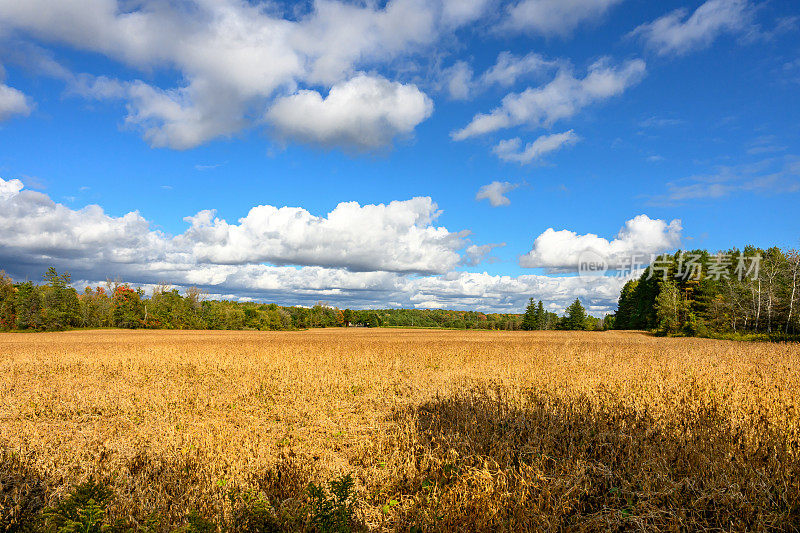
(441, 430)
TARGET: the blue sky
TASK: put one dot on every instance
(626, 126)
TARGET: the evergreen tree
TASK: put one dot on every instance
(61, 307)
(625, 305)
(575, 319)
(529, 322)
(541, 316)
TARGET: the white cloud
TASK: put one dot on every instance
(486, 292)
(554, 17)
(476, 254)
(179, 118)
(183, 118)
(12, 102)
(562, 98)
(36, 230)
(364, 112)
(204, 168)
(459, 12)
(458, 80)
(674, 33)
(660, 122)
(9, 188)
(398, 237)
(335, 36)
(509, 68)
(96, 87)
(511, 149)
(560, 251)
(224, 259)
(769, 176)
(496, 192)
(236, 57)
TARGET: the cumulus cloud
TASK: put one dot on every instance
(554, 17)
(36, 229)
(36, 232)
(364, 112)
(12, 102)
(398, 237)
(182, 118)
(675, 33)
(496, 192)
(561, 251)
(467, 290)
(561, 98)
(335, 36)
(9, 188)
(511, 149)
(225, 259)
(179, 118)
(237, 57)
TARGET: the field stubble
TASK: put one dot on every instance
(441, 430)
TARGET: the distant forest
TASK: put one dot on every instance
(753, 292)
(56, 305)
(750, 292)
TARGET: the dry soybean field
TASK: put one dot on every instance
(438, 430)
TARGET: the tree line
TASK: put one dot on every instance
(57, 305)
(575, 318)
(752, 291)
(441, 318)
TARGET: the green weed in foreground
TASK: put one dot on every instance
(330, 509)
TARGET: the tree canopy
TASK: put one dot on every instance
(700, 293)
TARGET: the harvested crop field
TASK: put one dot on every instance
(439, 430)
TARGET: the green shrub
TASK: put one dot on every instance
(251, 513)
(83, 511)
(332, 511)
(197, 523)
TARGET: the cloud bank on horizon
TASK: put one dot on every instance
(359, 256)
